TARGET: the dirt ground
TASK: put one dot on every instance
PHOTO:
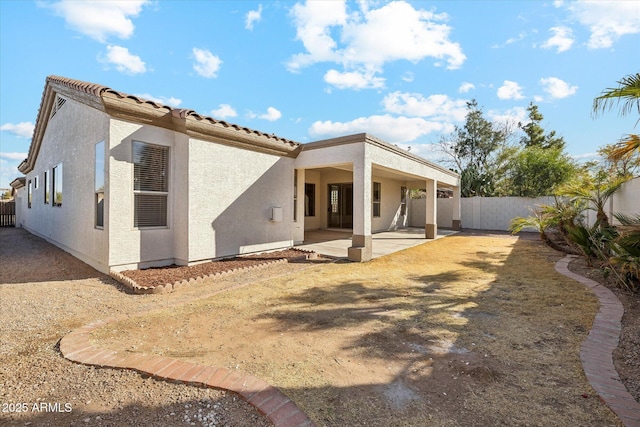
(483, 333)
(467, 330)
(46, 293)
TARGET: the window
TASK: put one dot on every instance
(35, 182)
(56, 187)
(29, 194)
(309, 200)
(295, 195)
(403, 201)
(376, 198)
(45, 178)
(99, 184)
(150, 184)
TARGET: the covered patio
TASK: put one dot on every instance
(336, 243)
(360, 185)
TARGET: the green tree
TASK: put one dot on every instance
(534, 133)
(535, 171)
(472, 149)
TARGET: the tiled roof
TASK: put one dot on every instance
(98, 90)
(100, 93)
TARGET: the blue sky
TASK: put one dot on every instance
(312, 70)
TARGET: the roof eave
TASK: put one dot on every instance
(224, 133)
(18, 183)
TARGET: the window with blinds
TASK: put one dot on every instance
(150, 184)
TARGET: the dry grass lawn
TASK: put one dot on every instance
(465, 330)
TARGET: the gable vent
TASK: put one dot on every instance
(59, 102)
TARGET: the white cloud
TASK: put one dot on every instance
(124, 61)
(170, 101)
(13, 156)
(465, 87)
(586, 156)
(607, 20)
(353, 80)
(22, 129)
(271, 115)
(511, 116)
(223, 111)
(408, 77)
(521, 36)
(510, 90)
(562, 39)
(438, 107)
(366, 39)
(251, 17)
(313, 22)
(100, 19)
(207, 64)
(387, 127)
(557, 88)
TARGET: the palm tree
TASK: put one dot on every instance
(624, 149)
(540, 220)
(627, 93)
(594, 191)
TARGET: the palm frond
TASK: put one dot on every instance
(627, 94)
(626, 147)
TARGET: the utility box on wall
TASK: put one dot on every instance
(276, 214)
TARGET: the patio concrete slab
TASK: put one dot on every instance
(335, 243)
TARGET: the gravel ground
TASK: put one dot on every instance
(45, 294)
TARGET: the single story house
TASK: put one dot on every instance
(121, 183)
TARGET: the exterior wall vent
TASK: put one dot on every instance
(58, 103)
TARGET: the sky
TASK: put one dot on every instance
(400, 70)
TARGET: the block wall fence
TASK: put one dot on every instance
(495, 213)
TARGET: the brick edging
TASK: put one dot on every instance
(596, 352)
(170, 287)
(268, 400)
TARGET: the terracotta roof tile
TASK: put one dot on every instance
(98, 90)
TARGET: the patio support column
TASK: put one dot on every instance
(361, 242)
(298, 225)
(457, 213)
(430, 227)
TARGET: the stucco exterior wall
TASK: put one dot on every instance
(69, 139)
(130, 247)
(382, 157)
(231, 194)
(417, 212)
(390, 218)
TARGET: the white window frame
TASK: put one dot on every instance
(376, 202)
(138, 193)
(57, 175)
